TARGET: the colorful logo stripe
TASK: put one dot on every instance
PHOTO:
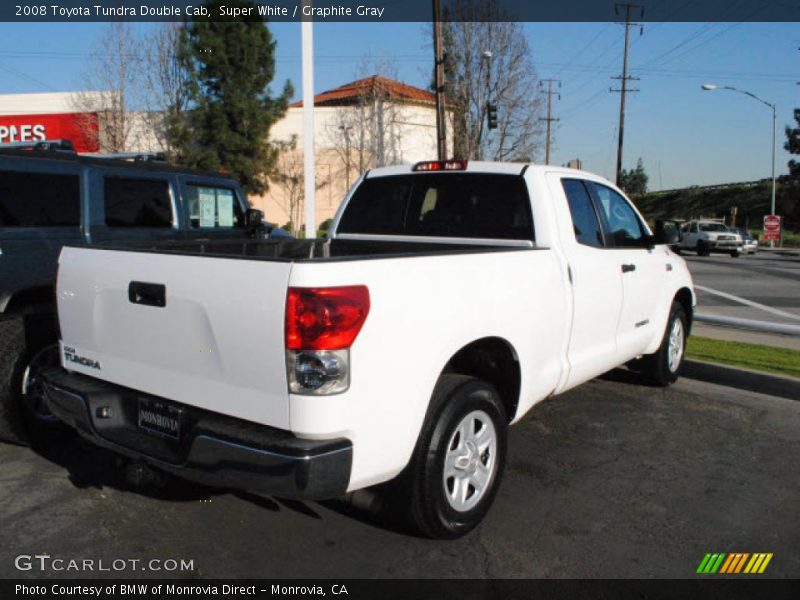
(735, 562)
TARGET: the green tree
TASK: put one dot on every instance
(229, 66)
(634, 181)
(793, 145)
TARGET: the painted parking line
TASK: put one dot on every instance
(746, 302)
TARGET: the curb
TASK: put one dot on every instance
(743, 379)
(786, 251)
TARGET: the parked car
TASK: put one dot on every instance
(449, 298)
(51, 197)
(705, 237)
(750, 244)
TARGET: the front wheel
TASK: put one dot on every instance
(702, 249)
(735, 254)
(459, 459)
(663, 367)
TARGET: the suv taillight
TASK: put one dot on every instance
(321, 325)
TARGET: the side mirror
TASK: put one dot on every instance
(253, 218)
(666, 233)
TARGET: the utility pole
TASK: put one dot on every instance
(624, 79)
(441, 124)
(549, 118)
(309, 160)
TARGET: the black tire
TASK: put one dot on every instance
(702, 249)
(657, 368)
(735, 254)
(28, 343)
(455, 400)
(12, 357)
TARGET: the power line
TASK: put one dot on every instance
(588, 44)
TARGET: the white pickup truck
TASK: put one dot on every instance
(705, 237)
(449, 298)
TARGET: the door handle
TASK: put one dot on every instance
(628, 268)
(148, 294)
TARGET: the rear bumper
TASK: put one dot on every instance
(213, 449)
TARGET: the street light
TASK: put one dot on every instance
(710, 86)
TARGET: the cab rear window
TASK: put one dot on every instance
(463, 205)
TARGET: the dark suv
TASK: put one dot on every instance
(50, 197)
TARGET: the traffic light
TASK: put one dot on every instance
(491, 115)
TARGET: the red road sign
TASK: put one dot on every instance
(772, 228)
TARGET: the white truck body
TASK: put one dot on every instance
(566, 311)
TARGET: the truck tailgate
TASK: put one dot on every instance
(216, 343)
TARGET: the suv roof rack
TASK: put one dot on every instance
(41, 146)
(65, 151)
(131, 156)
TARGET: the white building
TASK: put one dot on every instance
(87, 119)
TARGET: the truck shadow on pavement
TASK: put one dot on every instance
(91, 467)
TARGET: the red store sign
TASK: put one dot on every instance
(80, 128)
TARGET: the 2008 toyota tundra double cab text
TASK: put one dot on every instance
(449, 298)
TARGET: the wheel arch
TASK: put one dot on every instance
(494, 360)
(35, 299)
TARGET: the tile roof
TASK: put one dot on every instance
(371, 86)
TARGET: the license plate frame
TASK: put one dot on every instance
(159, 418)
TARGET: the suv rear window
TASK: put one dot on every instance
(213, 207)
(468, 205)
(131, 202)
(30, 199)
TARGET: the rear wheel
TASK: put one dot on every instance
(735, 254)
(27, 345)
(458, 463)
(12, 357)
(663, 367)
(34, 410)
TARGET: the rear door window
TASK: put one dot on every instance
(584, 218)
(30, 199)
(211, 206)
(468, 205)
(133, 202)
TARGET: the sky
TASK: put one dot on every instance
(684, 136)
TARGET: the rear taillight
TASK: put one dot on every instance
(325, 318)
(321, 325)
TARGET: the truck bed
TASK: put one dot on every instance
(316, 250)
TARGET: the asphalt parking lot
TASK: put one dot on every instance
(610, 480)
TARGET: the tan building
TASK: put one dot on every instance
(364, 124)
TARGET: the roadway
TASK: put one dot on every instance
(609, 480)
(768, 279)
